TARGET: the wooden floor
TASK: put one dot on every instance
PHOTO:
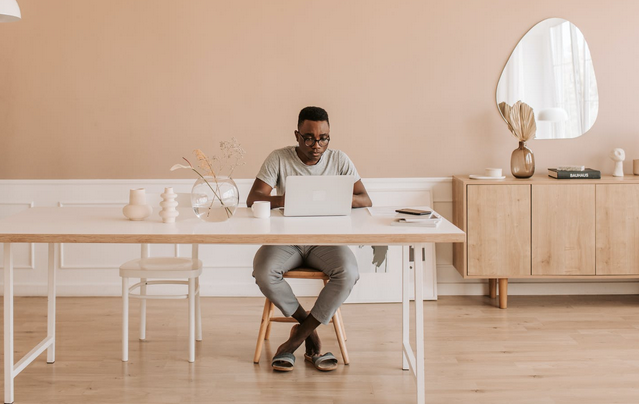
(540, 350)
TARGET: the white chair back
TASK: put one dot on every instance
(184, 200)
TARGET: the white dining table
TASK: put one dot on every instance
(55, 225)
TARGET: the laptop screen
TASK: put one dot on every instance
(318, 195)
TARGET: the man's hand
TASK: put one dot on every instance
(261, 191)
(360, 196)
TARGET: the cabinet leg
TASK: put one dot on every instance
(492, 288)
(503, 293)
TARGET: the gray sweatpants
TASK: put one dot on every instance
(271, 262)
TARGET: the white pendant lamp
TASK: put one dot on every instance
(9, 11)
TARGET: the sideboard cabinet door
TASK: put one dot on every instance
(563, 229)
(498, 230)
(617, 229)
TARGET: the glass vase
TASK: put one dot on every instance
(522, 162)
(214, 199)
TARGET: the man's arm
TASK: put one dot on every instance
(261, 191)
(360, 196)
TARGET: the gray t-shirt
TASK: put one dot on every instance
(284, 162)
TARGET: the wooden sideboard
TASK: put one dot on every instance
(541, 227)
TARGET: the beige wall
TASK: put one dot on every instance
(125, 88)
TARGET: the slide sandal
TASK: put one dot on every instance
(283, 362)
(325, 363)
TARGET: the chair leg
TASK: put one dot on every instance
(192, 320)
(338, 314)
(143, 309)
(339, 333)
(268, 327)
(262, 332)
(125, 319)
(198, 312)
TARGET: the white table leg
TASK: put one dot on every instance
(53, 262)
(143, 309)
(8, 324)
(125, 319)
(419, 325)
(405, 304)
(191, 320)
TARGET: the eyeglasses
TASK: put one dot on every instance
(310, 141)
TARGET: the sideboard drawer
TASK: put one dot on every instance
(617, 229)
(563, 229)
(498, 229)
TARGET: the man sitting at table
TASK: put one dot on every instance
(311, 156)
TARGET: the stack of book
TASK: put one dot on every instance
(574, 172)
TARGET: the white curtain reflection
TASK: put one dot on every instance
(574, 72)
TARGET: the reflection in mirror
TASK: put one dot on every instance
(551, 70)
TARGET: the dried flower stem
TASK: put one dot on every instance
(232, 154)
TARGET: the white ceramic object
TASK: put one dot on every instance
(261, 209)
(169, 205)
(618, 156)
(493, 172)
(137, 209)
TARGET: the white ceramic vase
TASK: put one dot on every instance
(168, 204)
(137, 209)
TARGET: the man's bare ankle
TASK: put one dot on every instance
(300, 314)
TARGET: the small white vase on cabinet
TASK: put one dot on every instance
(137, 209)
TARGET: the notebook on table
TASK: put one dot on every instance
(318, 195)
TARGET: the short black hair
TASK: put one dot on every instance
(316, 114)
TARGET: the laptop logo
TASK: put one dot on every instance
(319, 196)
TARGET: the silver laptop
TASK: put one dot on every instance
(318, 195)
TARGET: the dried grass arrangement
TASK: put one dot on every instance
(520, 119)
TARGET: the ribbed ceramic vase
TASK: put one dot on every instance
(169, 205)
(522, 162)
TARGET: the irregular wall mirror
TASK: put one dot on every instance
(551, 70)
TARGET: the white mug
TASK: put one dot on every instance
(261, 209)
(493, 172)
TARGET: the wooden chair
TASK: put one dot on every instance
(166, 271)
(268, 319)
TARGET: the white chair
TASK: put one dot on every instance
(165, 271)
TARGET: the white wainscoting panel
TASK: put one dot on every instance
(23, 254)
(92, 270)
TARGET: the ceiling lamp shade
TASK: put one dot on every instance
(9, 11)
(553, 115)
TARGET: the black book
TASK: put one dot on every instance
(588, 173)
